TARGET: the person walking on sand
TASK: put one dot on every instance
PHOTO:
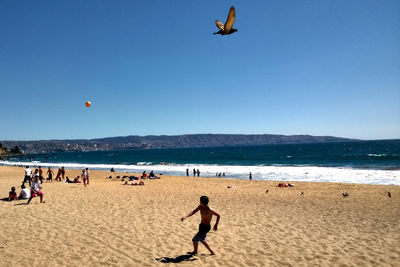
(205, 226)
(28, 173)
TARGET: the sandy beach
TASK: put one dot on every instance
(107, 223)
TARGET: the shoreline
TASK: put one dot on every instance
(262, 173)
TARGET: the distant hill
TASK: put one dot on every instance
(4, 152)
(165, 141)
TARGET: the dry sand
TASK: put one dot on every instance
(111, 224)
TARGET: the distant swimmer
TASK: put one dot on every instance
(227, 28)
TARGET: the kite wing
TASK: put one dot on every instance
(219, 24)
(230, 20)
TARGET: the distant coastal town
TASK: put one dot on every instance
(161, 141)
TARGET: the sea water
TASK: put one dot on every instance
(368, 162)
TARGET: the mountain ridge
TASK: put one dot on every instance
(165, 141)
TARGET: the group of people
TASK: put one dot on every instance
(36, 190)
(84, 175)
(35, 182)
(24, 194)
(150, 176)
(195, 172)
(29, 177)
(36, 179)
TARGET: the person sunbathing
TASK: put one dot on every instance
(135, 183)
(285, 185)
(68, 181)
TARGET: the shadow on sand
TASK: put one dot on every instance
(18, 201)
(184, 257)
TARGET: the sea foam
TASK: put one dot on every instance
(273, 173)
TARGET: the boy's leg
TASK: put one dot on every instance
(29, 200)
(195, 246)
(208, 247)
(41, 197)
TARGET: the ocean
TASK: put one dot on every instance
(367, 162)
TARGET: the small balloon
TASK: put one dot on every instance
(88, 103)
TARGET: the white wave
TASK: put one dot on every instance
(144, 163)
(274, 173)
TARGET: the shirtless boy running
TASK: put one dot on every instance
(205, 225)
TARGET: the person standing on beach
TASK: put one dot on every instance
(58, 175)
(205, 226)
(87, 174)
(50, 174)
(41, 174)
(198, 173)
(35, 174)
(28, 173)
(84, 177)
(250, 176)
(187, 172)
(194, 172)
(62, 173)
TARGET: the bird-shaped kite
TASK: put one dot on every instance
(227, 28)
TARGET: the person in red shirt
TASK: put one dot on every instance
(12, 195)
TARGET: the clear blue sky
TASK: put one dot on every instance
(153, 67)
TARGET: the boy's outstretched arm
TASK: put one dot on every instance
(190, 214)
(216, 223)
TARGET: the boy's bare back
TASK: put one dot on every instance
(206, 214)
